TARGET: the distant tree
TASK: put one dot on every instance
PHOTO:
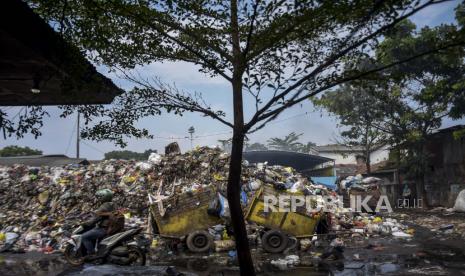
(18, 151)
(307, 148)
(359, 112)
(290, 142)
(422, 92)
(256, 146)
(128, 155)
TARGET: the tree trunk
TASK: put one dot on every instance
(422, 178)
(237, 216)
(234, 183)
(367, 163)
(235, 165)
(367, 150)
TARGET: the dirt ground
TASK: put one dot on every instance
(437, 248)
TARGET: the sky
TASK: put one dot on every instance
(59, 135)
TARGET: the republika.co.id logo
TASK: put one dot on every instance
(317, 203)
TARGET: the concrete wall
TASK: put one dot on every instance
(376, 156)
(390, 186)
(340, 158)
(379, 155)
(445, 174)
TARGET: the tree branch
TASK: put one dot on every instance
(249, 35)
(173, 100)
(336, 56)
(274, 113)
(180, 43)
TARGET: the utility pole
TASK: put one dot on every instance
(77, 135)
(191, 131)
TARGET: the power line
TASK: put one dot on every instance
(92, 147)
(71, 137)
(206, 135)
(183, 137)
(292, 117)
(187, 137)
(225, 132)
(214, 134)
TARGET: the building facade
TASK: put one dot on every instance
(445, 172)
(350, 160)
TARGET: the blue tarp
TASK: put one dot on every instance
(328, 181)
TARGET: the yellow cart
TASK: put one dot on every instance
(186, 215)
(280, 225)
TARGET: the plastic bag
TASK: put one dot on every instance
(144, 166)
(460, 202)
(155, 158)
(224, 211)
(214, 207)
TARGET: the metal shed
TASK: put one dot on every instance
(38, 67)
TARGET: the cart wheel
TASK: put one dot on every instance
(274, 241)
(199, 241)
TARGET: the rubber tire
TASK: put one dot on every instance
(190, 241)
(274, 248)
(138, 251)
(68, 256)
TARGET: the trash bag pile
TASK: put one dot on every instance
(364, 224)
(43, 203)
(282, 178)
(359, 183)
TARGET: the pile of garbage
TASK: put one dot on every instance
(42, 204)
(359, 183)
(39, 206)
(366, 225)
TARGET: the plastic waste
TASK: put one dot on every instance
(155, 158)
(11, 237)
(224, 245)
(459, 205)
(144, 166)
(305, 244)
(286, 263)
(224, 210)
(254, 185)
(371, 179)
(446, 227)
(400, 234)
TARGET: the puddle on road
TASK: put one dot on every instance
(113, 270)
(374, 257)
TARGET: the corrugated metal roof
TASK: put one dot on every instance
(449, 129)
(33, 55)
(42, 160)
(297, 160)
(338, 148)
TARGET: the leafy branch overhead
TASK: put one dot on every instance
(288, 50)
(407, 102)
